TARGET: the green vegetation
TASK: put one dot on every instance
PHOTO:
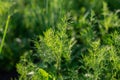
(60, 39)
(3, 39)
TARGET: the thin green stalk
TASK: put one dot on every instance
(5, 32)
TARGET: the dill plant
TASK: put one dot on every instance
(53, 49)
(101, 58)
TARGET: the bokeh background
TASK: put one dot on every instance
(30, 18)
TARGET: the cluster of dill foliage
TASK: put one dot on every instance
(60, 39)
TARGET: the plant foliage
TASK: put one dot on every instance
(60, 39)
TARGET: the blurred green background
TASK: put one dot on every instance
(30, 18)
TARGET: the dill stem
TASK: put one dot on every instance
(5, 32)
